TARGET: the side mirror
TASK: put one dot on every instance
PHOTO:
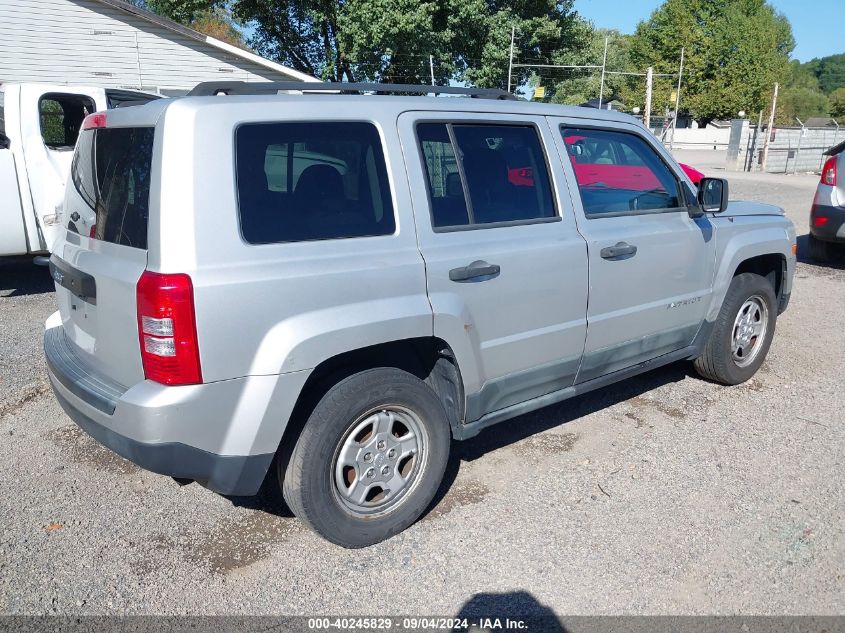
(5, 141)
(713, 195)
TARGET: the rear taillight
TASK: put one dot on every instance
(829, 172)
(819, 221)
(96, 120)
(93, 232)
(167, 329)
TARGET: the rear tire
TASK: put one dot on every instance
(743, 331)
(369, 459)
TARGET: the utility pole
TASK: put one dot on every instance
(769, 129)
(649, 81)
(431, 65)
(677, 102)
(603, 69)
(510, 63)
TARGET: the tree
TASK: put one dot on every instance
(575, 86)
(217, 22)
(802, 96)
(837, 103)
(802, 103)
(391, 40)
(212, 17)
(734, 52)
(829, 72)
(182, 11)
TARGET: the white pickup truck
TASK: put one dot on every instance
(39, 124)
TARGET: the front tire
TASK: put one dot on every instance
(743, 331)
(369, 459)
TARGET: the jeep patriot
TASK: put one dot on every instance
(335, 286)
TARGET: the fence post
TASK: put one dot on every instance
(603, 69)
(798, 150)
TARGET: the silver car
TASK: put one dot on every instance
(827, 215)
(340, 285)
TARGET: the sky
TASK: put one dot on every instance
(816, 24)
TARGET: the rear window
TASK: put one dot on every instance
(312, 181)
(61, 117)
(111, 171)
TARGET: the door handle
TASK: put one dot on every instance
(476, 271)
(619, 251)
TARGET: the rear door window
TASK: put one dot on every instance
(61, 117)
(619, 173)
(485, 174)
(311, 181)
(111, 170)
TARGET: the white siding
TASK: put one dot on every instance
(91, 43)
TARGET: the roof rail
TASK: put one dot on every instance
(213, 88)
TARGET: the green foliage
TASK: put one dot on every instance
(828, 71)
(801, 76)
(735, 50)
(218, 23)
(806, 93)
(182, 11)
(837, 103)
(578, 86)
(799, 102)
(391, 40)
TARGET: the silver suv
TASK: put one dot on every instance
(827, 215)
(338, 285)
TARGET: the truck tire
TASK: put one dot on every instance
(743, 332)
(370, 458)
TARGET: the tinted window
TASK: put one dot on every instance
(619, 173)
(446, 193)
(483, 174)
(61, 118)
(311, 181)
(111, 171)
(126, 98)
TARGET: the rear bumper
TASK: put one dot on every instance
(834, 229)
(226, 474)
(173, 431)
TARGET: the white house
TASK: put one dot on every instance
(113, 44)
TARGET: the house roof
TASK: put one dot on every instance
(149, 16)
(823, 121)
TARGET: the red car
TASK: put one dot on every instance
(615, 176)
(693, 173)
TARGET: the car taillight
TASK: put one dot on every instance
(93, 232)
(167, 329)
(819, 221)
(829, 172)
(93, 121)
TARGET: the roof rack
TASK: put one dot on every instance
(213, 88)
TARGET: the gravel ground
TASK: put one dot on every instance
(664, 494)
